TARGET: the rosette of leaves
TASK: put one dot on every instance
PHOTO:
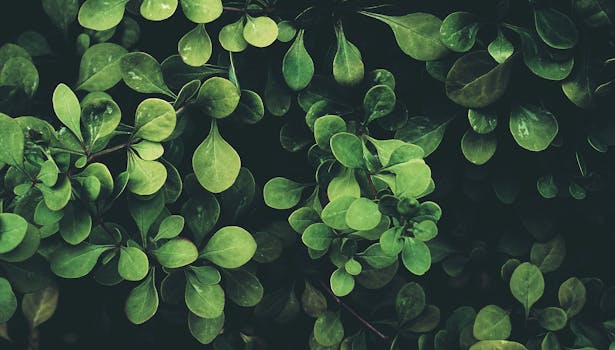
(363, 212)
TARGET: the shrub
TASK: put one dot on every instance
(273, 173)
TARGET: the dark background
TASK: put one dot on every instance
(91, 316)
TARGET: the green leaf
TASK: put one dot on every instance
(133, 264)
(12, 231)
(572, 296)
(391, 241)
(593, 13)
(342, 283)
(478, 148)
(297, 65)
(416, 256)
(205, 330)
(204, 300)
(8, 301)
(215, 163)
(230, 247)
(142, 73)
(363, 214)
(243, 287)
(492, 323)
(378, 102)
(101, 14)
(482, 121)
(579, 87)
(412, 178)
(500, 48)
(334, 213)
(417, 34)
(176, 253)
(550, 342)
(409, 302)
(555, 28)
(158, 10)
(458, 31)
(377, 258)
(38, 307)
(277, 96)
(99, 69)
(250, 109)
(218, 97)
(325, 127)
(100, 116)
(328, 329)
(541, 60)
(550, 255)
(497, 345)
(344, 184)
(552, 318)
(424, 132)
(12, 136)
(425, 230)
(286, 31)
(476, 80)
(348, 68)
(231, 36)
(313, 301)
(61, 12)
(547, 187)
(19, 73)
(76, 224)
(260, 31)
(155, 120)
(76, 261)
(145, 176)
(202, 11)
(201, 213)
(318, 236)
(282, 193)
(347, 149)
(170, 227)
(142, 301)
(27, 248)
(527, 285)
(195, 46)
(67, 109)
(533, 127)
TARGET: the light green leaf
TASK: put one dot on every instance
(533, 127)
(216, 164)
(342, 283)
(348, 68)
(500, 48)
(318, 236)
(363, 214)
(76, 224)
(492, 323)
(527, 285)
(282, 193)
(101, 14)
(347, 149)
(99, 69)
(202, 11)
(176, 253)
(133, 264)
(142, 73)
(231, 36)
(378, 102)
(417, 34)
(497, 345)
(12, 231)
(327, 126)
(218, 97)
(76, 261)
(142, 302)
(204, 300)
(297, 65)
(155, 120)
(158, 10)
(170, 227)
(230, 247)
(416, 256)
(344, 184)
(260, 31)
(12, 136)
(328, 329)
(67, 109)
(145, 176)
(195, 47)
(572, 295)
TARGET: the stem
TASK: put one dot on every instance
(371, 185)
(107, 151)
(33, 339)
(353, 313)
(247, 11)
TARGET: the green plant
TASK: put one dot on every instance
(164, 178)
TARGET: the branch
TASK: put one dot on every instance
(107, 151)
(353, 313)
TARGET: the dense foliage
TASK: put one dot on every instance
(335, 174)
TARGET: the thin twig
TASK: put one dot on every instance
(353, 313)
(107, 151)
(248, 11)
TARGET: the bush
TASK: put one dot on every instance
(271, 174)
